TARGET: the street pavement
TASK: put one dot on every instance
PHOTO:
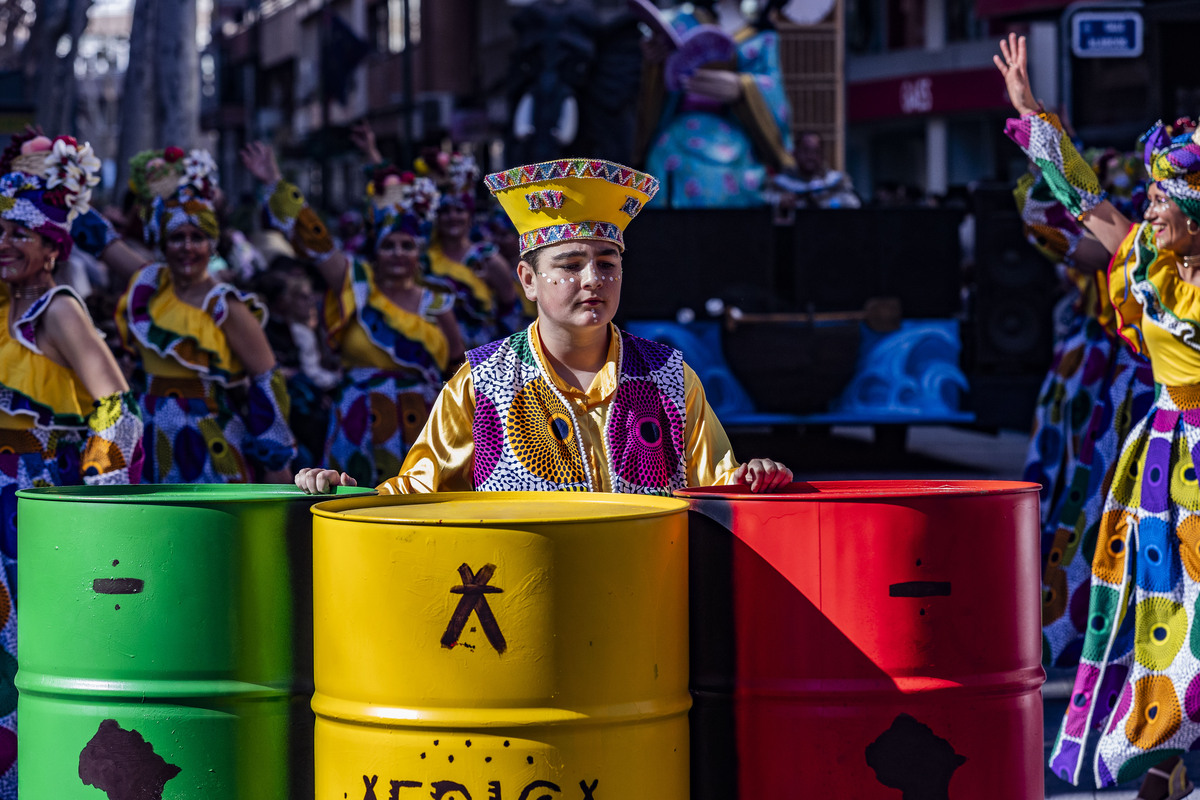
(932, 453)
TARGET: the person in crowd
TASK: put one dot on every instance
(714, 118)
(814, 184)
(66, 414)
(395, 336)
(1137, 676)
(307, 363)
(199, 343)
(572, 402)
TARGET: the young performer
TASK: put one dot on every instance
(572, 402)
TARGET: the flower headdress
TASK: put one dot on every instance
(175, 188)
(187, 205)
(400, 202)
(47, 184)
(158, 173)
(455, 174)
(1172, 157)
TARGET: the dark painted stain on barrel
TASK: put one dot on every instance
(474, 590)
(118, 585)
(123, 765)
(920, 589)
(910, 757)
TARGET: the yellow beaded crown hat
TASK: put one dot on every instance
(574, 198)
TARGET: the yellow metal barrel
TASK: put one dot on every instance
(501, 646)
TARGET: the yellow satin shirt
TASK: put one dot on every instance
(442, 458)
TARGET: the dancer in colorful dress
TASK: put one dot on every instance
(718, 131)
(196, 339)
(66, 414)
(1094, 393)
(479, 301)
(1138, 683)
(395, 336)
(572, 402)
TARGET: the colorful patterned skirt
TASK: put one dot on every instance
(376, 417)
(191, 434)
(1138, 684)
(1125, 399)
(28, 458)
(1065, 404)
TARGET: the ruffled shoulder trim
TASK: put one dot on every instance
(1145, 283)
(441, 265)
(26, 326)
(435, 302)
(35, 386)
(411, 340)
(151, 313)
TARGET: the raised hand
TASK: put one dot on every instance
(259, 160)
(363, 138)
(1014, 66)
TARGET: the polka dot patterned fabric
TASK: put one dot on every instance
(1141, 624)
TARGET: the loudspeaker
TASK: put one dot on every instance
(1015, 291)
(677, 258)
(793, 367)
(843, 257)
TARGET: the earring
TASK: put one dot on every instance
(1189, 225)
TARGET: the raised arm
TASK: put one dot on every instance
(96, 236)
(289, 213)
(1040, 134)
(363, 138)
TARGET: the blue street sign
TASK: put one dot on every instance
(1106, 34)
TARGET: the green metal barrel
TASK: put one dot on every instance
(165, 641)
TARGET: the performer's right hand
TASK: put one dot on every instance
(1013, 64)
(314, 480)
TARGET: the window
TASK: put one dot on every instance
(398, 32)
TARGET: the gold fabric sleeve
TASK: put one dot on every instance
(442, 458)
(710, 457)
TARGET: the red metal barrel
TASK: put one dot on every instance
(855, 638)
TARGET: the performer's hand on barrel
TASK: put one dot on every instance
(761, 475)
(314, 480)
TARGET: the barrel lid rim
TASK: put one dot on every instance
(872, 490)
(337, 509)
(176, 493)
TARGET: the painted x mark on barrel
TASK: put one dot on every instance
(474, 591)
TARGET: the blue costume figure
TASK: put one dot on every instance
(725, 119)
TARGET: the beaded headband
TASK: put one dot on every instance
(558, 201)
(401, 202)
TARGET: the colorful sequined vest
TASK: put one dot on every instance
(527, 437)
